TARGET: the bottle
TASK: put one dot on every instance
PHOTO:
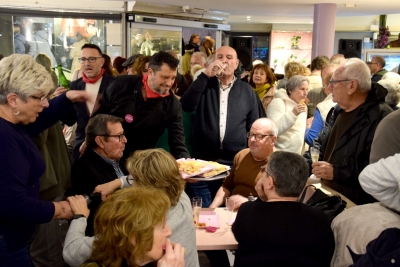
(92, 197)
(62, 81)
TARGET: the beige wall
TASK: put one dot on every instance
(363, 23)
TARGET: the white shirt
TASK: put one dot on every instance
(92, 90)
(223, 106)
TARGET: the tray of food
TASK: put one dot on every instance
(219, 169)
(193, 167)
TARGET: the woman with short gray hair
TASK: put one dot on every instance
(289, 111)
(24, 112)
(393, 96)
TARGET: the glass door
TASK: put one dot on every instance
(148, 39)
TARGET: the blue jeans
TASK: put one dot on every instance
(205, 190)
(14, 258)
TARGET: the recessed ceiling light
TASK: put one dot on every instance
(248, 17)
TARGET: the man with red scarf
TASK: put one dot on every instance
(94, 81)
(148, 107)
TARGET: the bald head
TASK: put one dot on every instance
(338, 59)
(262, 138)
(227, 55)
(267, 125)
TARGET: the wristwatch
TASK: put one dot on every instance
(77, 216)
(251, 198)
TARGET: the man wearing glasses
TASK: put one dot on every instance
(246, 169)
(345, 141)
(100, 163)
(376, 66)
(94, 82)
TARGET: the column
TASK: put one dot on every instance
(323, 30)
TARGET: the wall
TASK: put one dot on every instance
(244, 27)
(363, 23)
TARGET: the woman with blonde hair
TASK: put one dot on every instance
(262, 79)
(131, 230)
(45, 61)
(151, 168)
(25, 112)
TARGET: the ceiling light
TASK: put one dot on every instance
(247, 17)
(350, 5)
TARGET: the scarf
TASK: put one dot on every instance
(92, 80)
(261, 91)
(150, 93)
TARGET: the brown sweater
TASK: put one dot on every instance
(244, 174)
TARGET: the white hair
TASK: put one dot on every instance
(393, 96)
(391, 76)
(20, 74)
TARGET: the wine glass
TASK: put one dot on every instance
(314, 154)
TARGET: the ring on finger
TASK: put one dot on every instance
(183, 250)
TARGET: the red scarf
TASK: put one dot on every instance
(92, 80)
(150, 93)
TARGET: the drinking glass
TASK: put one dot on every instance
(196, 207)
(314, 154)
(220, 71)
(230, 207)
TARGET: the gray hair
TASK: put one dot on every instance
(294, 82)
(201, 55)
(393, 96)
(356, 69)
(97, 126)
(289, 172)
(20, 74)
(391, 76)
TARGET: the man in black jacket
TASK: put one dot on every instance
(345, 142)
(100, 163)
(147, 106)
(94, 81)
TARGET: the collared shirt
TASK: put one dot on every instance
(114, 163)
(223, 106)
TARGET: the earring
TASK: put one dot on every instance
(16, 112)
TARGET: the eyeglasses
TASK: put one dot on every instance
(40, 98)
(371, 63)
(264, 169)
(119, 136)
(258, 137)
(331, 82)
(90, 59)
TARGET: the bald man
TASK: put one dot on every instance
(225, 109)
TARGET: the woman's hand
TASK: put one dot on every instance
(174, 255)
(79, 205)
(62, 210)
(108, 188)
(299, 108)
(77, 95)
(58, 92)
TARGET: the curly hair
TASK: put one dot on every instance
(157, 168)
(130, 213)
(271, 79)
(295, 68)
(138, 65)
(20, 74)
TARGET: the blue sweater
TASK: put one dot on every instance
(21, 166)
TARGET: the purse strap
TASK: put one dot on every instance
(303, 194)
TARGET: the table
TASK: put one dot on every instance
(329, 191)
(222, 239)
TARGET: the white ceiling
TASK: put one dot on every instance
(285, 11)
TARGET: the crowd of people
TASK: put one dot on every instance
(120, 186)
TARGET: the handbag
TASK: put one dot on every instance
(330, 205)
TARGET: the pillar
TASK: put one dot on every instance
(323, 30)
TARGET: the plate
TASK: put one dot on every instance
(227, 168)
(216, 177)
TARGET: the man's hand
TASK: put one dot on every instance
(79, 205)
(238, 200)
(323, 170)
(58, 92)
(214, 68)
(107, 188)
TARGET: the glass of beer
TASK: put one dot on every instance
(196, 207)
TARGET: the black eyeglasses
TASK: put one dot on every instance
(258, 137)
(264, 169)
(90, 59)
(119, 136)
(331, 82)
(40, 98)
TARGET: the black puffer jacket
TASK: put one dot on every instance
(351, 154)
